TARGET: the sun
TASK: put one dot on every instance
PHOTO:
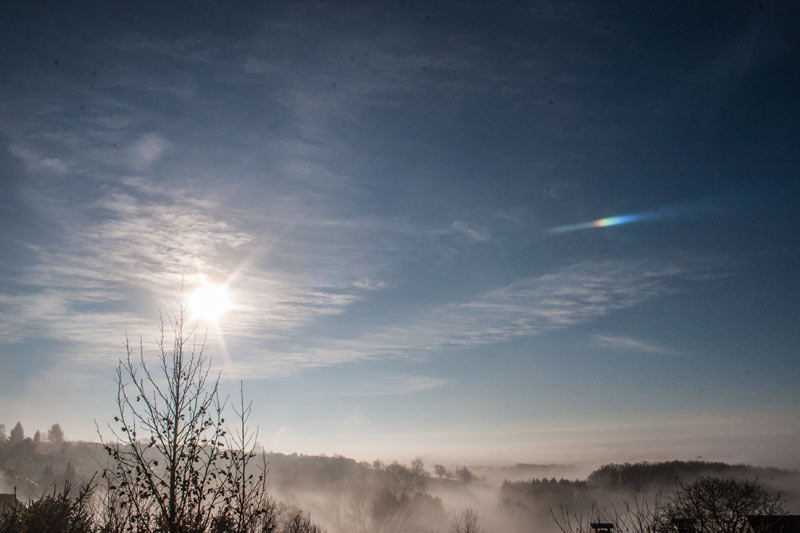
(209, 302)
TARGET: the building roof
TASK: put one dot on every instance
(774, 523)
(8, 500)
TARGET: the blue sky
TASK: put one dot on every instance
(380, 187)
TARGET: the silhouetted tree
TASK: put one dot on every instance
(247, 504)
(711, 505)
(55, 434)
(37, 438)
(405, 480)
(48, 476)
(58, 512)
(176, 469)
(387, 512)
(464, 474)
(169, 428)
(24, 448)
(299, 522)
(418, 468)
(720, 505)
(69, 473)
(465, 522)
(17, 434)
(440, 471)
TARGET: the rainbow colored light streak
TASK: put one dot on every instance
(602, 222)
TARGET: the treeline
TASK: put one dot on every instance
(298, 471)
(613, 487)
(34, 465)
(17, 443)
(643, 476)
(35, 469)
(640, 477)
(548, 492)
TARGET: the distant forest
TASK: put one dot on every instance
(639, 477)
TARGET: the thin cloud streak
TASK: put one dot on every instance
(632, 345)
(37, 162)
(396, 386)
(576, 295)
(471, 232)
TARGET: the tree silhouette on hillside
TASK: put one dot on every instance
(176, 468)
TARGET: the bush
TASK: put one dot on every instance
(58, 512)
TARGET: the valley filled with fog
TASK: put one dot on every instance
(343, 495)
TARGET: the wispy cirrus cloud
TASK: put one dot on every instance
(130, 250)
(620, 342)
(201, 48)
(469, 231)
(575, 295)
(36, 161)
(144, 242)
(396, 386)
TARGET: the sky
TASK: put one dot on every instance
(486, 232)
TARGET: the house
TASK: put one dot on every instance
(8, 501)
(789, 523)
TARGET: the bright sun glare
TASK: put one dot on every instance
(209, 301)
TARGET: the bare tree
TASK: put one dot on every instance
(710, 505)
(299, 522)
(404, 480)
(388, 513)
(465, 474)
(248, 507)
(465, 521)
(575, 521)
(720, 505)
(418, 468)
(642, 515)
(169, 435)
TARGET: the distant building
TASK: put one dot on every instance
(602, 527)
(789, 523)
(8, 501)
(683, 525)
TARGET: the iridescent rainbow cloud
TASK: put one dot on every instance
(603, 222)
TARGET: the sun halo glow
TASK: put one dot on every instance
(209, 302)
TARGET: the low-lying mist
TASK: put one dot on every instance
(344, 495)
